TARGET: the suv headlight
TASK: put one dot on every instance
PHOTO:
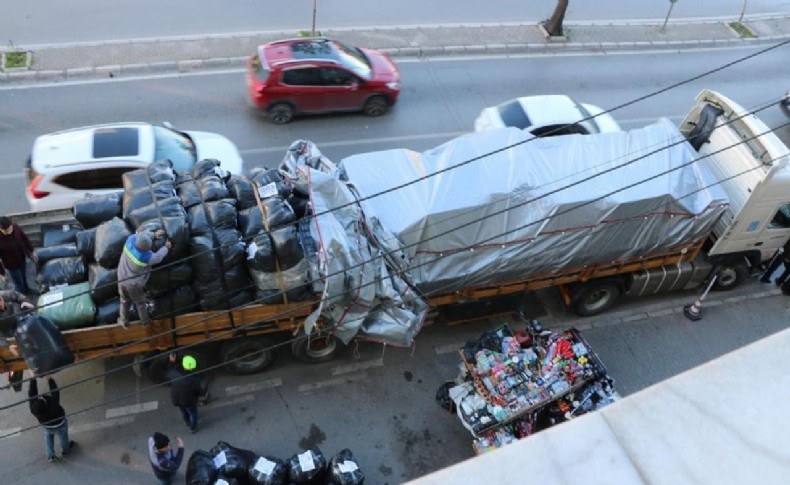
(395, 86)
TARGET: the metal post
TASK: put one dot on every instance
(671, 6)
(740, 19)
(694, 311)
(314, 9)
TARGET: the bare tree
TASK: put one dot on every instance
(554, 24)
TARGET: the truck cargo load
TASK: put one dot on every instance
(493, 207)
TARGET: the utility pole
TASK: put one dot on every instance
(671, 5)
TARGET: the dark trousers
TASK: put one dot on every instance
(19, 277)
(769, 271)
(190, 416)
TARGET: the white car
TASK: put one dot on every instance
(548, 115)
(67, 165)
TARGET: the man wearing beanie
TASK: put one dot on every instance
(164, 460)
(134, 269)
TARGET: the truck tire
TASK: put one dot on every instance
(596, 297)
(247, 356)
(731, 276)
(316, 348)
(156, 369)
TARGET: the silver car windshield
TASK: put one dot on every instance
(176, 147)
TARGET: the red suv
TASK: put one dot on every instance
(319, 75)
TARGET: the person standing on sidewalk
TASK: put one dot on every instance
(186, 391)
(164, 461)
(134, 268)
(15, 249)
(48, 411)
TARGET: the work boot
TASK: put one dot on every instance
(72, 444)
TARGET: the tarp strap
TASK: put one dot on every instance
(265, 213)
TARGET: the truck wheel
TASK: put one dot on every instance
(597, 297)
(730, 276)
(318, 347)
(247, 356)
(157, 369)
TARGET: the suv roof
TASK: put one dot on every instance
(296, 50)
(91, 144)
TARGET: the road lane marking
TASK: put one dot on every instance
(10, 176)
(10, 433)
(446, 349)
(332, 382)
(230, 402)
(254, 387)
(101, 424)
(357, 366)
(131, 409)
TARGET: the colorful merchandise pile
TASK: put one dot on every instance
(515, 384)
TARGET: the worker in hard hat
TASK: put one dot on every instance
(186, 391)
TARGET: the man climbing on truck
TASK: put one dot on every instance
(134, 269)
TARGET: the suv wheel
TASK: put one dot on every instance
(281, 113)
(375, 106)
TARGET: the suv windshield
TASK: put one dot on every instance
(354, 59)
(176, 147)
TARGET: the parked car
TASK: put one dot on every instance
(785, 104)
(66, 165)
(547, 115)
(320, 75)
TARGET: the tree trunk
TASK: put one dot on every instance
(554, 25)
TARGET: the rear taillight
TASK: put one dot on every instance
(33, 188)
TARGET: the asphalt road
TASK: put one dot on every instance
(51, 21)
(440, 100)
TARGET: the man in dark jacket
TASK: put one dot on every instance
(48, 411)
(11, 302)
(164, 461)
(15, 248)
(185, 392)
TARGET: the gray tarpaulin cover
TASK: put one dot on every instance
(363, 295)
(537, 208)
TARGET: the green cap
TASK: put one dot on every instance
(188, 362)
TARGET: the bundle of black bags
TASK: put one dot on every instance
(244, 467)
(59, 260)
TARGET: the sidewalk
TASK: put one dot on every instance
(225, 51)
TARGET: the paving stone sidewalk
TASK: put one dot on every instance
(183, 54)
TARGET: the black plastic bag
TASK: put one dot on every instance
(260, 253)
(188, 191)
(92, 211)
(86, 244)
(234, 461)
(231, 289)
(200, 469)
(267, 470)
(104, 283)
(157, 171)
(107, 312)
(286, 247)
(270, 183)
(300, 205)
(241, 189)
(313, 473)
(41, 344)
(443, 396)
(166, 279)
(177, 302)
(208, 262)
(57, 234)
(176, 230)
(279, 213)
(62, 271)
(223, 480)
(343, 469)
(147, 195)
(163, 208)
(209, 166)
(52, 252)
(219, 214)
(110, 238)
(212, 188)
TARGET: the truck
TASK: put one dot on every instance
(749, 164)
